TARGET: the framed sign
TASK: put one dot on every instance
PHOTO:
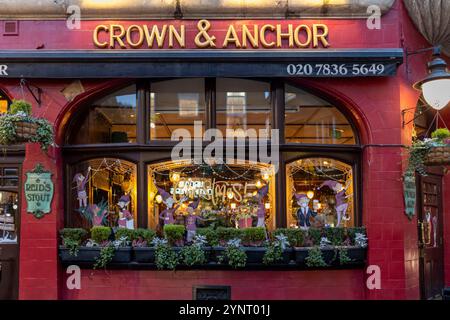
(39, 191)
(410, 195)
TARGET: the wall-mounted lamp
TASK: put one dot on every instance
(436, 85)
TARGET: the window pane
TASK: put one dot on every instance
(238, 195)
(9, 211)
(309, 119)
(325, 186)
(103, 193)
(243, 104)
(3, 103)
(109, 120)
(176, 104)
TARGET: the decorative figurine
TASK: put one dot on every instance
(341, 202)
(98, 213)
(81, 181)
(191, 220)
(169, 201)
(261, 212)
(304, 213)
(125, 217)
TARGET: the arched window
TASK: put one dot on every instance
(111, 119)
(312, 120)
(102, 192)
(324, 185)
(137, 122)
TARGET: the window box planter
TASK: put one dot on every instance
(255, 254)
(88, 255)
(331, 256)
(357, 254)
(144, 254)
(215, 253)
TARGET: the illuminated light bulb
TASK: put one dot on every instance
(152, 125)
(233, 206)
(159, 198)
(310, 194)
(258, 184)
(267, 205)
(175, 177)
(15, 207)
(266, 176)
(319, 206)
(230, 195)
(254, 193)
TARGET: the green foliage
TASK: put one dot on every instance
(174, 233)
(353, 231)
(193, 255)
(105, 257)
(226, 234)
(144, 234)
(253, 236)
(335, 235)
(166, 257)
(20, 106)
(125, 233)
(8, 133)
(44, 133)
(417, 155)
(315, 258)
(210, 234)
(343, 256)
(274, 253)
(72, 238)
(296, 237)
(315, 235)
(441, 134)
(75, 234)
(237, 258)
(100, 234)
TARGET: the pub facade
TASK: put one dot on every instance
(326, 88)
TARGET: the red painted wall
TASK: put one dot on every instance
(376, 106)
(246, 285)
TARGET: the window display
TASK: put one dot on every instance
(104, 193)
(320, 193)
(238, 195)
(9, 204)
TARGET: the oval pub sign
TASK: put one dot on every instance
(39, 191)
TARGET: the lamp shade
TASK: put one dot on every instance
(436, 86)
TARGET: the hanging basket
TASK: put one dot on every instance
(438, 156)
(25, 130)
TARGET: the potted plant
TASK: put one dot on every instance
(295, 238)
(72, 238)
(234, 254)
(357, 250)
(195, 254)
(174, 233)
(19, 126)
(253, 239)
(122, 245)
(144, 251)
(223, 235)
(165, 256)
(275, 251)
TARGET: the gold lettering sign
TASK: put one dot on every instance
(236, 37)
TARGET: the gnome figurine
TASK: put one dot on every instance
(191, 220)
(341, 202)
(304, 213)
(125, 217)
(169, 201)
(261, 212)
(81, 181)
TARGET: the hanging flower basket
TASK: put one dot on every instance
(25, 130)
(438, 156)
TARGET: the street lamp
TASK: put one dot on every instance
(436, 86)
